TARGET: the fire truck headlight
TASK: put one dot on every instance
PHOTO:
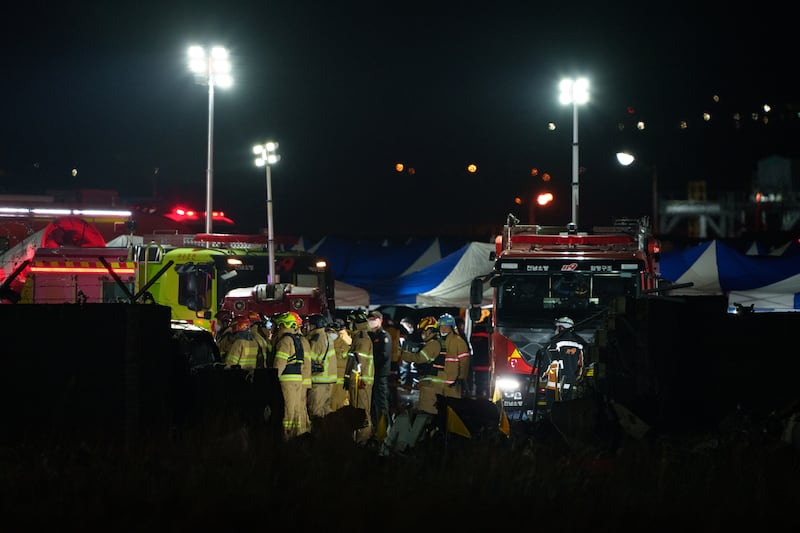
(507, 384)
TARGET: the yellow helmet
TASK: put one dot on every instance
(288, 320)
(427, 323)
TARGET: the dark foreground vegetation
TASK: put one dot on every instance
(83, 445)
(228, 476)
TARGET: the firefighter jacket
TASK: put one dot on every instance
(243, 351)
(361, 359)
(289, 361)
(563, 365)
(394, 333)
(341, 346)
(264, 346)
(306, 362)
(323, 356)
(457, 357)
(430, 361)
(224, 340)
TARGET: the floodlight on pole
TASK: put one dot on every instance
(575, 92)
(268, 156)
(626, 159)
(212, 69)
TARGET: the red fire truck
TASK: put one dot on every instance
(597, 278)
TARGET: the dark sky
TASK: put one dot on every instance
(349, 89)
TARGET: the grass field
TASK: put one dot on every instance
(228, 476)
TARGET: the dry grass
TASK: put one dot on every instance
(228, 475)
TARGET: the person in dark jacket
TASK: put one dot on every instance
(563, 364)
(382, 356)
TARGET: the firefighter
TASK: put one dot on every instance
(382, 355)
(429, 358)
(457, 358)
(406, 371)
(563, 364)
(244, 349)
(225, 334)
(323, 365)
(256, 330)
(341, 345)
(360, 372)
(394, 366)
(290, 357)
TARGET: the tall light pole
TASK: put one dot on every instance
(268, 156)
(210, 69)
(575, 92)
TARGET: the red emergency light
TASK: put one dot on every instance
(181, 214)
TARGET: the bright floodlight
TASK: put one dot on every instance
(267, 157)
(574, 91)
(625, 158)
(266, 153)
(211, 69)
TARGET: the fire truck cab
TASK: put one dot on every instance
(543, 273)
(204, 284)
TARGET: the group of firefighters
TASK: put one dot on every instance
(323, 365)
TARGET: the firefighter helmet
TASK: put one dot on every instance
(255, 318)
(565, 322)
(317, 321)
(427, 323)
(357, 317)
(288, 320)
(447, 320)
(241, 324)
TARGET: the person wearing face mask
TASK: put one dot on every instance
(382, 357)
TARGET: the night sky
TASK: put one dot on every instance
(351, 89)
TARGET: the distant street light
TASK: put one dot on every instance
(575, 92)
(626, 159)
(540, 199)
(267, 156)
(210, 69)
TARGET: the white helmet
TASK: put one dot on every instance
(565, 322)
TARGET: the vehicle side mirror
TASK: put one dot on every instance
(475, 313)
(476, 292)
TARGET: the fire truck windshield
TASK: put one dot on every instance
(542, 297)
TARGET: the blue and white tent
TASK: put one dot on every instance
(373, 272)
(443, 283)
(786, 249)
(767, 283)
(358, 261)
